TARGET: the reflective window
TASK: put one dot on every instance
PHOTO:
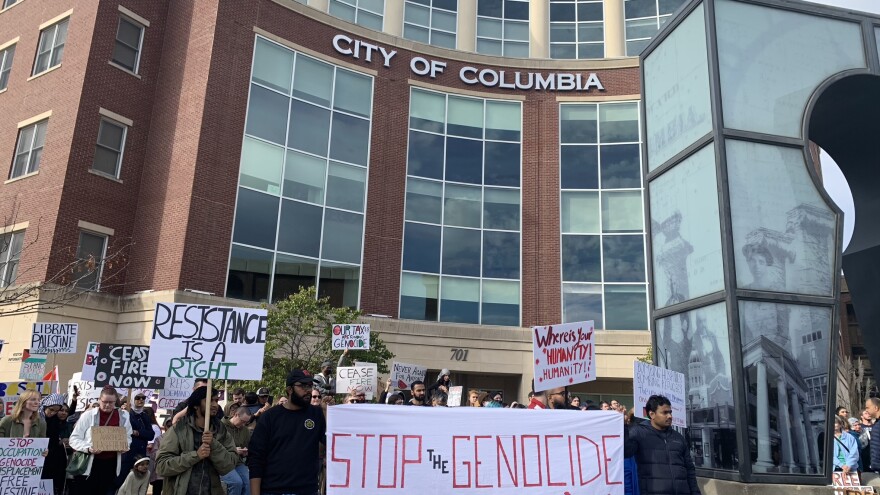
(50, 51)
(577, 29)
(29, 149)
(461, 246)
(503, 27)
(10, 252)
(108, 152)
(367, 13)
(7, 55)
(90, 260)
(299, 218)
(127, 50)
(431, 21)
(643, 19)
(602, 224)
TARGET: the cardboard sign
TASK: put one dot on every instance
(90, 361)
(454, 398)
(349, 377)
(10, 391)
(376, 448)
(88, 393)
(22, 464)
(651, 380)
(351, 336)
(125, 366)
(54, 338)
(175, 391)
(402, 374)
(199, 341)
(564, 355)
(33, 366)
(110, 438)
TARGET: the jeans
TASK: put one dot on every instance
(238, 481)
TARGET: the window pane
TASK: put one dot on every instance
(582, 302)
(460, 300)
(581, 258)
(563, 32)
(443, 40)
(352, 93)
(125, 56)
(299, 231)
(464, 160)
(641, 28)
(490, 28)
(580, 167)
(267, 115)
(502, 121)
(427, 111)
(462, 206)
(443, 20)
(591, 50)
(501, 209)
(491, 8)
(419, 295)
(421, 248)
(312, 80)
(626, 307)
(465, 117)
(500, 303)
(502, 164)
(669, 6)
(128, 33)
(90, 253)
(624, 258)
(369, 20)
(249, 271)
(562, 12)
(515, 9)
(425, 157)
(417, 14)
(489, 47)
(580, 212)
(261, 165)
(420, 34)
(461, 252)
(446, 4)
(590, 11)
(256, 219)
(291, 274)
(512, 49)
(273, 66)
(377, 6)
(591, 32)
(309, 128)
(622, 211)
(621, 167)
(640, 8)
(342, 11)
(578, 123)
(304, 177)
(110, 135)
(634, 48)
(563, 51)
(345, 187)
(619, 123)
(40, 138)
(341, 283)
(343, 236)
(351, 139)
(106, 161)
(518, 31)
(501, 254)
(423, 202)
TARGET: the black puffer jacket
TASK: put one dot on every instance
(664, 461)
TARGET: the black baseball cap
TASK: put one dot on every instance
(299, 376)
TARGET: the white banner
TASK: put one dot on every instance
(54, 338)
(349, 377)
(175, 391)
(651, 380)
(403, 374)
(199, 341)
(22, 464)
(351, 336)
(477, 451)
(564, 355)
(90, 362)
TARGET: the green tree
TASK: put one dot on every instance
(299, 336)
(648, 357)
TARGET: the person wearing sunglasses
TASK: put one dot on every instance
(316, 397)
(141, 434)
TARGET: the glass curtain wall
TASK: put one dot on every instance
(431, 22)
(367, 13)
(299, 218)
(603, 241)
(643, 19)
(576, 29)
(503, 27)
(461, 247)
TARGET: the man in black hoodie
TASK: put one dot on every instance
(664, 461)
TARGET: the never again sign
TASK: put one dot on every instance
(125, 366)
(200, 341)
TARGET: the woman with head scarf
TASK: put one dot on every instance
(56, 459)
(442, 384)
(25, 420)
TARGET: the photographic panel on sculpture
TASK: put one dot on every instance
(696, 344)
(686, 232)
(783, 232)
(786, 350)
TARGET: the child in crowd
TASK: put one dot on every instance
(138, 479)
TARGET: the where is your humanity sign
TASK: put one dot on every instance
(564, 355)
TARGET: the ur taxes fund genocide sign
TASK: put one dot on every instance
(351, 336)
(200, 341)
(477, 451)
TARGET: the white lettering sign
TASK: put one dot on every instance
(351, 336)
(360, 377)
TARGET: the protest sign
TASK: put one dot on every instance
(10, 391)
(373, 448)
(454, 398)
(33, 366)
(564, 355)
(110, 438)
(90, 361)
(125, 366)
(47, 487)
(651, 380)
(54, 338)
(88, 393)
(402, 374)
(364, 375)
(175, 391)
(351, 336)
(199, 341)
(848, 484)
(22, 464)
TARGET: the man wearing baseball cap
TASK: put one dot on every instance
(283, 450)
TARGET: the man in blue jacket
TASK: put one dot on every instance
(664, 461)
